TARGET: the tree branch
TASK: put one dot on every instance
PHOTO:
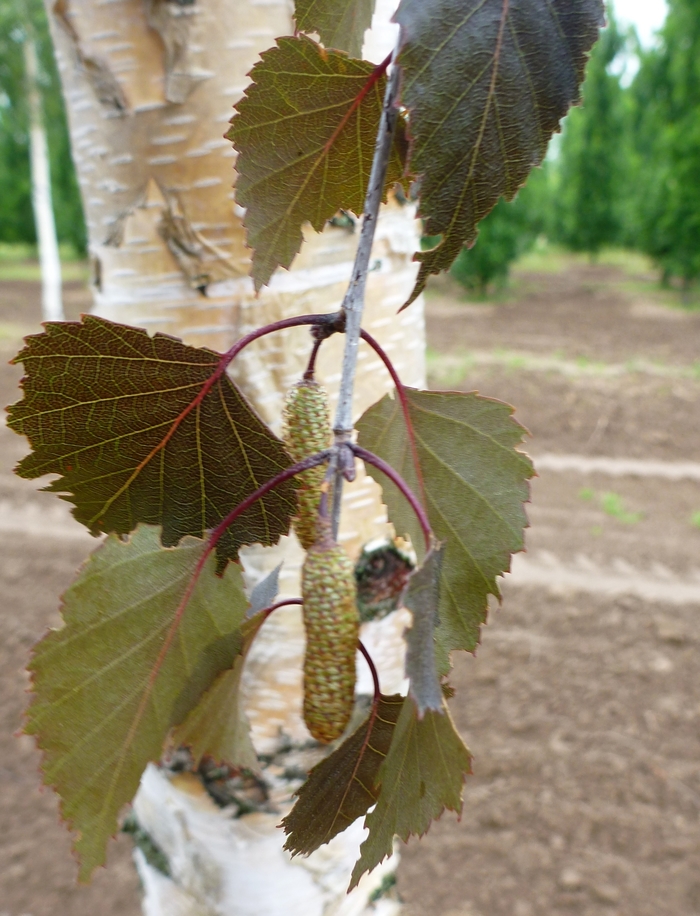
(353, 303)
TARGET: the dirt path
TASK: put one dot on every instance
(582, 705)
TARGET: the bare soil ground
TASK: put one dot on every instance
(581, 707)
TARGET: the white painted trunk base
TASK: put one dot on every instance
(237, 867)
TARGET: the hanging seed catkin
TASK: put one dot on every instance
(307, 430)
(332, 625)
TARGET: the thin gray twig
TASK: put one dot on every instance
(354, 301)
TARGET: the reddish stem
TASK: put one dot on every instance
(327, 323)
(278, 604)
(311, 366)
(271, 484)
(298, 321)
(215, 537)
(374, 77)
(398, 480)
(403, 400)
(373, 671)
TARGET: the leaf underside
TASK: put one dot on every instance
(129, 664)
(264, 593)
(422, 775)
(486, 83)
(218, 726)
(475, 484)
(101, 399)
(422, 598)
(305, 134)
(344, 785)
(340, 23)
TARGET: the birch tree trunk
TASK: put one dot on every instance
(51, 299)
(150, 86)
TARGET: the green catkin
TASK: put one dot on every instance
(332, 624)
(307, 430)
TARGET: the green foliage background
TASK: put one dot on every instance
(589, 203)
(507, 232)
(18, 19)
(626, 171)
(666, 101)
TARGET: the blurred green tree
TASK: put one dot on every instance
(666, 94)
(507, 232)
(591, 168)
(17, 224)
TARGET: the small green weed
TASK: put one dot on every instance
(449, 371)
(613, 505)
(695, 519)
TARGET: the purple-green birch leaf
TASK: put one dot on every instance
(486, 83)
(131, 661)
(422, 598)
(305, 134)
(475, 485)
(343, 786)
(423, 774)
(147, 430)
(340, 23)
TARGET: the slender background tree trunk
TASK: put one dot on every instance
(150, 87)
(51, 300)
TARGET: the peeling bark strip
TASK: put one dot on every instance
(97, 72)
(131, 167)
(201, 262)
(172, 20)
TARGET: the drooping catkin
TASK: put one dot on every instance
(307, 430)
(332, 625)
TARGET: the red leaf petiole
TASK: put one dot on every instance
(373, 671)
(403, 400)
(398, 480)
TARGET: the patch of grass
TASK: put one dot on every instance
(631, 262)
(587, 494)
(695, 519)
(515, 362)
(20, 262)
(11, 332)
(17, 252)
(510, 360)
(546, 257)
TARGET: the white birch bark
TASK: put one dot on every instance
(51, 300)
(150, 87)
